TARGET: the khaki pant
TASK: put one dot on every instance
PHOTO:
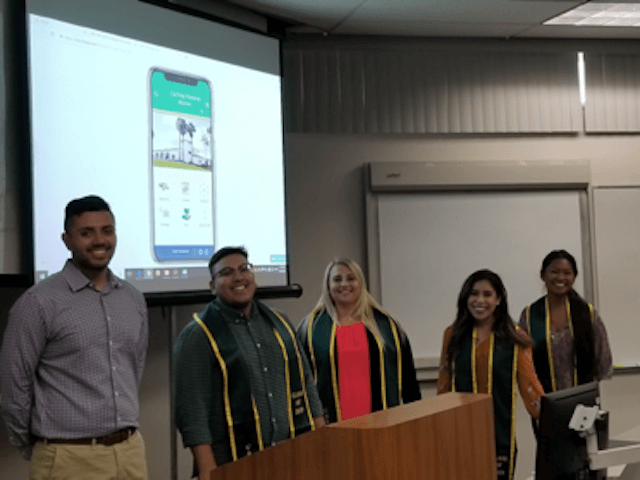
(122, 461)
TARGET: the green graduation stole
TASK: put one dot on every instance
(241, 413)
(503, 364)
(539, 329)
(385, 361)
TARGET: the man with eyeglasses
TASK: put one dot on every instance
(242, 382)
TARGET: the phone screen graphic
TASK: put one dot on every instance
(182, 166)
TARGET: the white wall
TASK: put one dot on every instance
(324, 184)
(326, 217)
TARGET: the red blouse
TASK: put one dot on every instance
(354, 373)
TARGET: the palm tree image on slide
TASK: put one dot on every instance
(181, 125)
(178, 151)
(190, 130)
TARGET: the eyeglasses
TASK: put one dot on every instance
(244, 269)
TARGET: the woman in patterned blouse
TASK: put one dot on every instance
(570, 341)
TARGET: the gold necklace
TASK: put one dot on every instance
(347, 321)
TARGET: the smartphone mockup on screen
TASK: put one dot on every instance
(182, 190)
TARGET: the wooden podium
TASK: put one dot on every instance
(447, 437)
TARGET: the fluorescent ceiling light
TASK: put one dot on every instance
(595, 14)
(581, 79)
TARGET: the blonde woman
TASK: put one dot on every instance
(360, 356)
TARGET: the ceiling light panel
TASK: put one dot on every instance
(600, 14)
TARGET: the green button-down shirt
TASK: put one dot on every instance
(199, 404)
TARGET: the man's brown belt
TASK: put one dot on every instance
(107, 440)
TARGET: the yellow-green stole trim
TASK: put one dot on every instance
(225, 394)
(287, 379)
(538, 319)
(396, 340)
(292, 427)
(256, 419)
(332, 359)
(383, 375)
(514, 381)
(334, 373)
(312, 353)
(474, 373)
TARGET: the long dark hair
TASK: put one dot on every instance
(503, 327)
(583, 336)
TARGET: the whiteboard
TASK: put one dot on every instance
(617, 241)
(431, 242)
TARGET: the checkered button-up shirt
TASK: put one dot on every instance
(71, 359)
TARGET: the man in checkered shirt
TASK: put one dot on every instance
(71, 361)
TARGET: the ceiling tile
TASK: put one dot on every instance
(552, 31)
(468, 11)
(423, 29)
(439, 18)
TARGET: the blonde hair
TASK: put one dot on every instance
(366, 303)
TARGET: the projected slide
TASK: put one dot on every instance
(186, 149)
(182, 173)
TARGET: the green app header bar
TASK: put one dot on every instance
(175, 96)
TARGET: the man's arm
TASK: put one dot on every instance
(197, 395)
(23, 342)
(143, 342)
(205, 461)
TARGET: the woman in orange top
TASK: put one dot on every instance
(484, 352)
